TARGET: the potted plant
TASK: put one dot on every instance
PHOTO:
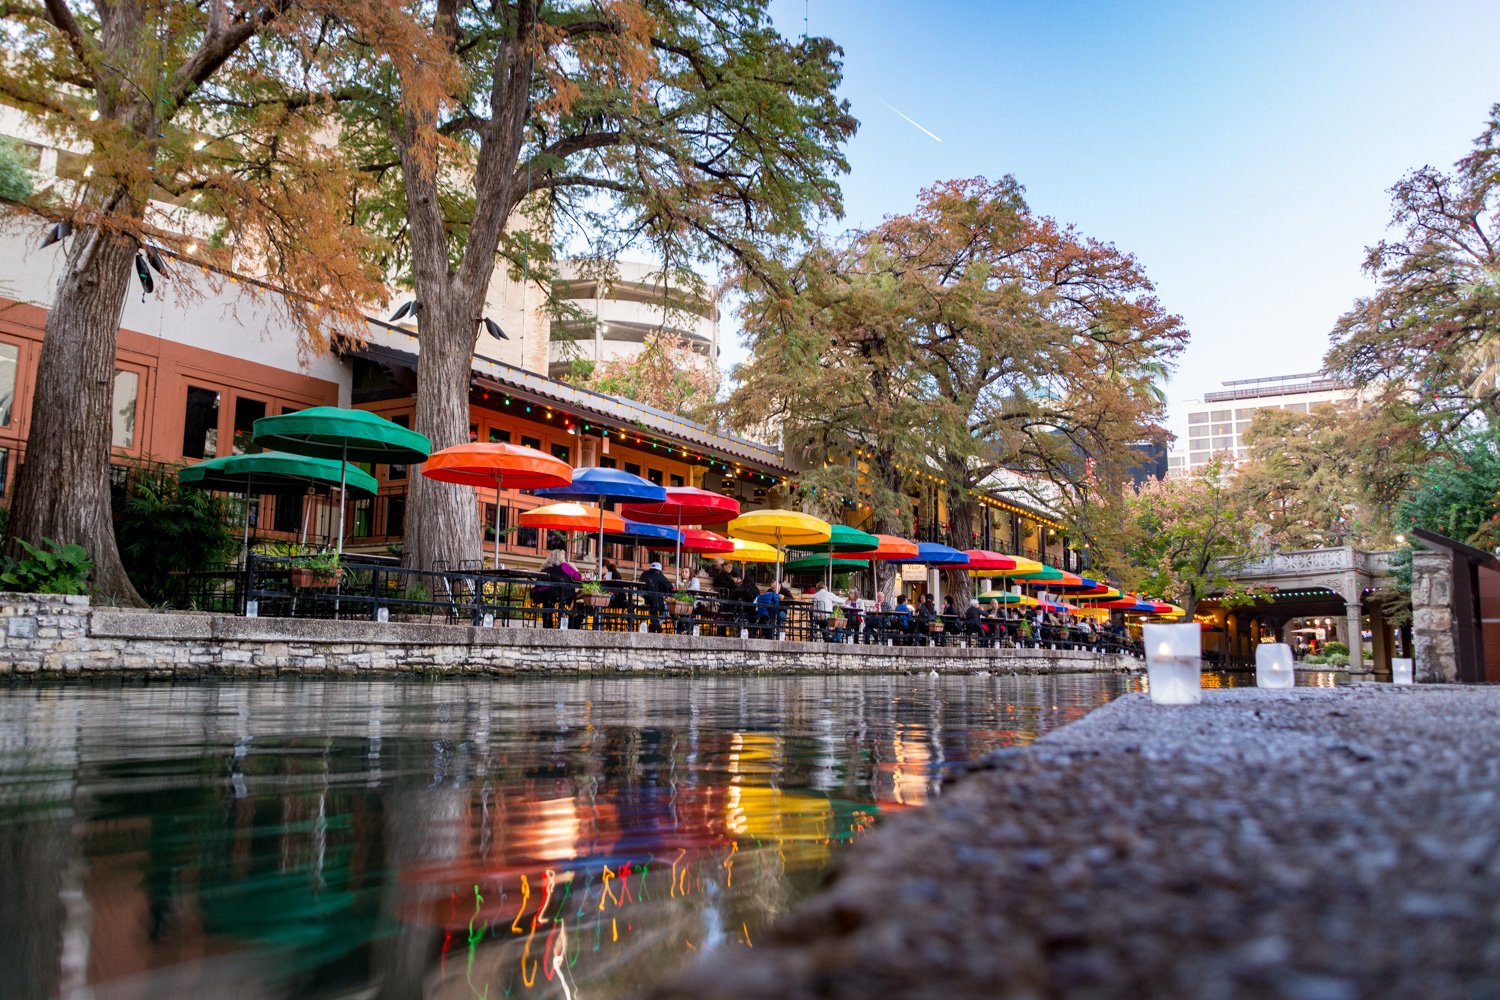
(681, 603)
(593, 594)
(318, 570)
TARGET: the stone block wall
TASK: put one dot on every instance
(1432, 624)
(45, 636)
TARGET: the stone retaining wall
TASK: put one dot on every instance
(49, 636)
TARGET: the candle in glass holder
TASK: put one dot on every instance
(1273, 665)
(1174, 663)
(1401, 670)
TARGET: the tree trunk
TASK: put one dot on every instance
(62, 488)
(961, 511)
(442, 527)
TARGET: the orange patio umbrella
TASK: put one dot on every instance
(499, 466)
(574, 517)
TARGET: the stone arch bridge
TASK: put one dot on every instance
(1311, 583)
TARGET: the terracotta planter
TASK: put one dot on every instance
(934, 626)
(308, 579)
(679, 608)
(594, 600)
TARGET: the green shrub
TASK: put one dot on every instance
(165, 530)
(51, 568)
(15, 179)
(1335, 648)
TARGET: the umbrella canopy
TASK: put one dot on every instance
(606, 484)
(1055, 606)
(699, 540)
(497, 465)
(753, 552)
(652, 536)
(332, 432)
(1105, 593)
(1023, 567)
(685, 505)
(825, 560)
(572, 517)
(1003, 596)
(983, 561)
(600, 485)
(780, 527)
(1046, 574)
(892, 547)
(275, 472)
(1083, 585)
(842, 538)
(933, 554)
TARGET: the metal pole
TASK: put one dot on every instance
(245, 540)
(599, 565)
(343, 499)
(497, 520)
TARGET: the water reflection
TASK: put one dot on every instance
(476, 839)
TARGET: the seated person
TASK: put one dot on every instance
(769, 614)
(655, 587)
(973, 622)
(823, 602)
(559, 590)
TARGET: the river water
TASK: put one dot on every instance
(485, 838)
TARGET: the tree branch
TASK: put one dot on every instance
(62, 17)
(217, 46)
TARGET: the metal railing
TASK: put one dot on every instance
(370, 590)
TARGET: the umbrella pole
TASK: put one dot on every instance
(599, 565)
(343, 477)
(245, 540)
(497, 522)
(679, 545)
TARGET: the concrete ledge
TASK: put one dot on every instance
(45, 636)
(1309, 844)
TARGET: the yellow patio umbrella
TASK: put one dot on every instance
(780, 528)
(1023, 567)
(753, 552)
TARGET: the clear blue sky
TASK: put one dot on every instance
(1241, 150)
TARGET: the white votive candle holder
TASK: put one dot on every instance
(1174, 663)
(1401, 670)
(1274, 665)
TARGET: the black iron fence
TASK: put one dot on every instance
(374, 590)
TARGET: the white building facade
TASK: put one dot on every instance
(616, 312)
(1216, 424)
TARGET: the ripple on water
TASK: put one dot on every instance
(456, 839)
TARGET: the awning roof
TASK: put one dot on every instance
(587, 404)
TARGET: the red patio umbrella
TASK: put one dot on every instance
(700, 540)
(982, 561)
(497, 465)
(684, 505)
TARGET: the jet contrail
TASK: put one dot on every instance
(914, 124)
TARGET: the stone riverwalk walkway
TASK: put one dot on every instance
(1308, 844)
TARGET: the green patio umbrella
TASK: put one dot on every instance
(827, 561)
(331, 432)
(273, 472)
(841, 538)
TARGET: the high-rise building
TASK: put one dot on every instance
(1217, 423)
(615, 313)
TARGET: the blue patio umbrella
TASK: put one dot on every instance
(653, 536)
(602, 485)
(649, 536)
(933, 554)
